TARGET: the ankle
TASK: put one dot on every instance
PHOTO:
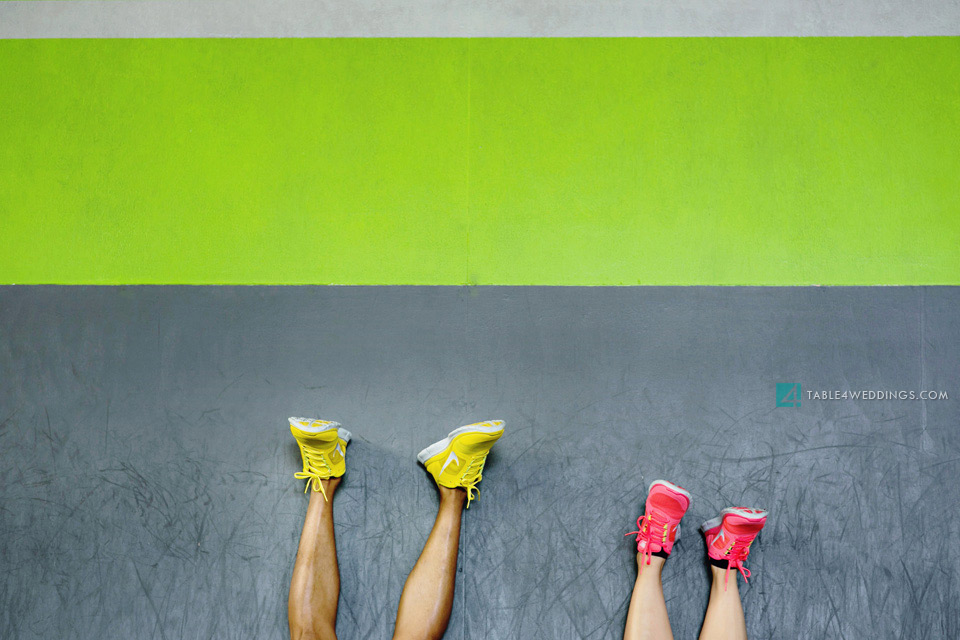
(655, 562)
(329, 486)
(721, 575)
(452, 496)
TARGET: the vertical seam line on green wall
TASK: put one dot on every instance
(469, 259)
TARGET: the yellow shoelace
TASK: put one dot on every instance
(314, 468)
(471, 486)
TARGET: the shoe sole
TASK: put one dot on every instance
(758, 514)
(342, 433)
(677, 488)
(672, 487)
(438, 447)
(754, 514)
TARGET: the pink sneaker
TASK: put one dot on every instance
(659, 527)
(730, 535)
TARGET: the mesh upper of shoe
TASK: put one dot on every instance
(317, 450)
(471, 450)
(658, 527)
(732, 539)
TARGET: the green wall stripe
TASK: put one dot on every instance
(433, 161)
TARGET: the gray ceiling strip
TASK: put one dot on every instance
(477, 18)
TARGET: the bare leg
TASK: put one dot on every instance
(647, 615)
(427, 596)
(315, 588)
(724, 619)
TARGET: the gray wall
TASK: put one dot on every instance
(477, 18)
(146, 469)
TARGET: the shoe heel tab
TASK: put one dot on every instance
(710, 524)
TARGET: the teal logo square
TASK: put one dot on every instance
(788, 394)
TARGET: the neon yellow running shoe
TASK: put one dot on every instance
(323, 447)
(457, 460)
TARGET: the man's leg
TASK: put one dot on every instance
(427, 596)
(315, 587)
(456, 464)
(647, 615)
(724, 619)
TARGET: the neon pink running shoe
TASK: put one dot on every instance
(659, 527)
(730, 535)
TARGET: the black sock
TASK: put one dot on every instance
(720, 564)
(661, 554)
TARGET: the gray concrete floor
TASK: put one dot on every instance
(146, 469)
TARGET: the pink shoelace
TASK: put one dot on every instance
(735, 557)
(645, 532)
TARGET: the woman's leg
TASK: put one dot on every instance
(724, 619)
(656, 532)
(728, 540)
(315, 587)
(647, 615)
(427, 597)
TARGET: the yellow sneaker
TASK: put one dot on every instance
(458, 459)
(323, 447)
